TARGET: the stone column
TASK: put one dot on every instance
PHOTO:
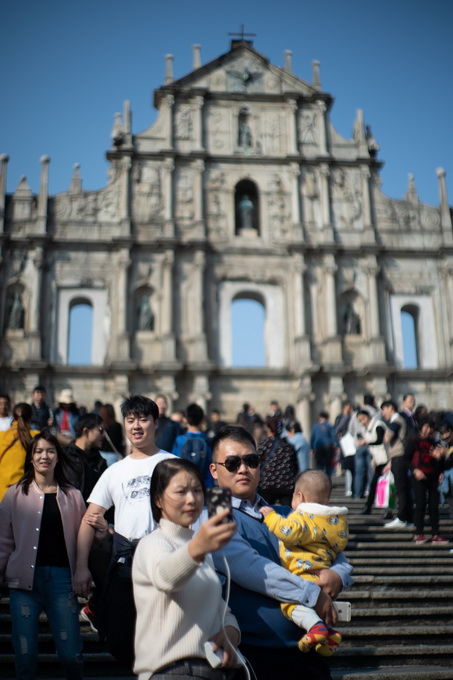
(198, 124)
(304, 399)
(199, 167)
(43, 195)
(377, 348)
(294, 170)
(196, 331)
(121, 282)
(448, 295)
(365, 175)
(125, 196)
(168, 339)
(336, 395)
(324, 173)
(169, 102)
(34, 316)
(332, 346)
(3, 163)
(330, 269)
(292, 127)
(301, 340)
(168, 190)
(322, 127)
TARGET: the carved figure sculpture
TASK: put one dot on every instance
(16, 313)
(351, 321)
(246, 213)
(145, 315)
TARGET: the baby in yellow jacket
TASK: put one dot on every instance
(310, 538)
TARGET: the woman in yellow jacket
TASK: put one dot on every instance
(13, 445)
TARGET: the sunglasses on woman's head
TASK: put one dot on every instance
(233, 463)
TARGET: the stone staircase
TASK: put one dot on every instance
(402, 601)
(402, 609)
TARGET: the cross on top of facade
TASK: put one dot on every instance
(242, 34)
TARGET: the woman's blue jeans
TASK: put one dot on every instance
(52, 592)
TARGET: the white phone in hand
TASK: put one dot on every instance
(343, 610)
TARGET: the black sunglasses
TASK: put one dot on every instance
(233, 463)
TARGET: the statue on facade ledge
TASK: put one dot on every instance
(351, 321)
(246, 213)
(145, 315)
(16, 313)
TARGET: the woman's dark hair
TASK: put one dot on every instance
(29, 470)
(275, 425)
(295, 425)
(162, 475)
(107, 413)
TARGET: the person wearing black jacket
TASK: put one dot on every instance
(426, 469)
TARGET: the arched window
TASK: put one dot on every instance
(80, 334)
(248, 333)
(409, 330)
(246, 206)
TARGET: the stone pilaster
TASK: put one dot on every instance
(201, 393)
(301, 340)
(34, 336)
(322, 128)
(168, 186)
(198, 167)
(198, 124)
(445, 216)
(198, 337)
(294, 170)
(377, 347)
(367, 217)
(125, 196)
(169, 102)
(292, 127)
(168, 337)
(122, 299)
(304, 399)
(332, 345)
(324, 174)
(336, 394)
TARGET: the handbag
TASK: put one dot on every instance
(385, 491)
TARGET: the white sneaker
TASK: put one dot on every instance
(395, 524)
(348, 493)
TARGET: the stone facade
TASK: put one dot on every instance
(242, 188)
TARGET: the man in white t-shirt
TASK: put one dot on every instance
(5, 417)
(126, 486)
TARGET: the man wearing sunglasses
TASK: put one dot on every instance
(258, 582)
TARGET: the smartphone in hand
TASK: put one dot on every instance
(219, 499)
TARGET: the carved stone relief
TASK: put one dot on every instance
(347, 198)
(184, 123)
(308, 127)
(147, 192)
(278, 202)
(184, 194)
(217, 203)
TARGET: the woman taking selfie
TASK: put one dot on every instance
(177, 592)
(39, 521)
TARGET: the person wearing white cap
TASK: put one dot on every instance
(67, 414)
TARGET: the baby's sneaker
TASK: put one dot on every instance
(333, 641)
(317, 635)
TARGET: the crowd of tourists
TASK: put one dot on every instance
(105, 522)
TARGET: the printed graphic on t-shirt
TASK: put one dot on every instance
(137, 488)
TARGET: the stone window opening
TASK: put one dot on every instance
(248, 316)
(410, 318)
(80, 333)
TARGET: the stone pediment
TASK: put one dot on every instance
(241, 70)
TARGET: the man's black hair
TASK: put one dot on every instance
(139, 406)
(391, 403)
(89, 421)
(194, 415)
(39, 388)
(7, 397)
(236, 433)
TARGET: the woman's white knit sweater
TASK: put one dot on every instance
(179, 601)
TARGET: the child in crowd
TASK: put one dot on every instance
(310, 538)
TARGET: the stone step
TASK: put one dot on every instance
(421, 672)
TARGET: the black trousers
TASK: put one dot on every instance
(426, 490)
(118, 615)
(287, 663)
(402, 489)
(373, 485)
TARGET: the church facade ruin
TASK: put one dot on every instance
(241, 189)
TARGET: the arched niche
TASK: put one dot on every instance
(351, 314)
(275, 330)
(248, 316)
(144, 318)
(246, 207)
(80, 332)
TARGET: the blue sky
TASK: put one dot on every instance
(66, 66)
